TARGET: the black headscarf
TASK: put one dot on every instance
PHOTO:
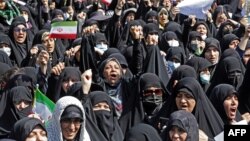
(219, 95)
(206, 115)
(177, 53)
(19, 50)
(184, 120)
(24, 127)
(226, 40)
(9, 114)
(142, 132)
(106, 120)
(229, 62)
(55, 90)
(244, 97)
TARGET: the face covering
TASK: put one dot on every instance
(204, 37)
(234, 79)
(173, 43)
(104, 122)
(151, 102)
(205, 78)
(173, 65)
(198, 51)
(193, 47)
(102, 47)
(7, 50)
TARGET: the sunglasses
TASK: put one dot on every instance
(20, 29)
(150, 92)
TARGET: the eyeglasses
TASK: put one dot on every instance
(69, 121)
(20, 29)
(150, 92)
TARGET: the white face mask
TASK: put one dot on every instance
(205, 78)
(176, 65)
(7, 50)
(173, 43)
(26, 17)
(102, 47)
(204, 37)
(230, 15)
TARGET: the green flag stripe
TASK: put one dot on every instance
(64, 23)
(43, 99)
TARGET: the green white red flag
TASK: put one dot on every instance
(64, 30)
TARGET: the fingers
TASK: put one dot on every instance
(57, 69)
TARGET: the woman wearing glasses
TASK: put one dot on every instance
(68, 121)
(21, 40)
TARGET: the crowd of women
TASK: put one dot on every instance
(139, 70)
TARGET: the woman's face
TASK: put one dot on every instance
(37, 134)
(112, 72)
(230, 105)
(221, 17)
(185, 101)
(20, 105)
(177, 134)
(201, 29)
(246, 56)
(20, 33)
(212, 55)
(67, 84)
(2, 4)
(101, 106)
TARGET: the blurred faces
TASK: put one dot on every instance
(230, 105)
(130, 17)
(202, 29)
(185, 101)
(6, 48)
(70, 128)
(152, 39)
(49, 43)
(212, 55)
(177, 134)
(67, 84)
(221, 17)
(37, 134)
(246, 56)
(101, 106)
(234, 44)
(20, 105)
(163, 17)
(20, 33)
(112, 72)
(2, 4)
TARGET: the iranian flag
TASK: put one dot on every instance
(107, 2)
(43, 106)
(64, 30)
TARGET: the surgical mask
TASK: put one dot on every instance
(205, 78)
(230, 14)
(173, 65)
(173, 43)
(193, 47)
(198, 51)
(26, 17)
(102, 47)
(7, 50)
(204, 37)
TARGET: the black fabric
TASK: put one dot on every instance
(179, 73)
(142, 132)
(154, 64)
(9, 114)
(165, 37)
(211, 42)
(226, 40)
(24, 127)
(19, 50)
(206, 115)
(244, 97)
(106, 121)
(229, 63)
(72, 111)
(218, 96)
(5, 58)
(177, 53)
(55, 90)
(184, 120)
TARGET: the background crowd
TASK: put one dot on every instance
(139, 70)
